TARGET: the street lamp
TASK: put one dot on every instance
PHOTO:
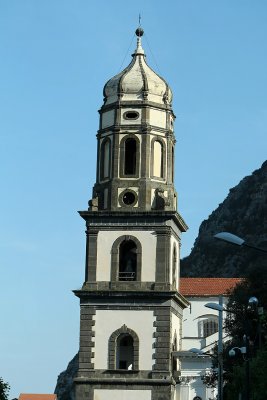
(219, 307)
(231, 238)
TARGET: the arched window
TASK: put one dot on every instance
(174, 267)
(158, 159)
(124, 352)
(127, 261)
(105, 159)
(123, 349)
(130, 157)
(210, 327)
(207, 325)
(174, 348)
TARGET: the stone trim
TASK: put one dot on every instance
(115, 258)
(162, 334)
(87, 333)
(112, 347)
(136, 103)
(163, 255)
(91, 255)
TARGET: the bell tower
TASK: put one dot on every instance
(130, 304)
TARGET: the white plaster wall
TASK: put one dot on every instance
(108, 321)
(105, 241)
(116, 394)
(130, 121)
(158, 118)
(191, 314)
(176, 328)
(107, 119)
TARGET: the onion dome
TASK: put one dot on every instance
(137, 81)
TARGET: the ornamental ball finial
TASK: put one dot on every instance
(139, 32)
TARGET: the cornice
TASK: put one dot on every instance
(135, 103)
(103, 215)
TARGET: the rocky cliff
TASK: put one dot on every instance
(64, 388)
(244, 213)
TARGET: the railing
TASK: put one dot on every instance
(126, 276)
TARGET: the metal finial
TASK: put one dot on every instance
(139, 31)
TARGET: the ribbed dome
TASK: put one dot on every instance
(137, 82)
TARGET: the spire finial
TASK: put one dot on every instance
(139, 33)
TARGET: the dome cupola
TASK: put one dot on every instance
(137, 81)
(135, 166)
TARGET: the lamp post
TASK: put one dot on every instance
(219, 307)
(231, 238)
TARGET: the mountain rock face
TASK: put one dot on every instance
(64, 388)
(243, 213)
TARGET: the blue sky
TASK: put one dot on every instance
(56, 56)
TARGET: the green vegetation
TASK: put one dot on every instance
(249, 321)
(4, 389)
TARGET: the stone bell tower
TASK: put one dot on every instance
(131, 308)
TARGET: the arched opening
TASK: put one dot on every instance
(105, 159)
(124, 351)
(172, 172)
(207, 325)
(130, 156)
(127, 261)
(174, 267)
(210, 327)
(174, 348)
(158, 159)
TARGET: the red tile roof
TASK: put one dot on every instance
(31, 396)
(207, 286)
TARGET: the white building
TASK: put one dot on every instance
(200, 331)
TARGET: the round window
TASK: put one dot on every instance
(131, 115)
(128, 198)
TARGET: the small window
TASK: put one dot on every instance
(131, 115)
(128, 198)
(130, 157)
(208, 325)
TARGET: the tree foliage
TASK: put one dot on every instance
(243, 320)
(4, 389)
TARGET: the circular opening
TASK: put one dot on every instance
(128, 198)
(131, 115)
